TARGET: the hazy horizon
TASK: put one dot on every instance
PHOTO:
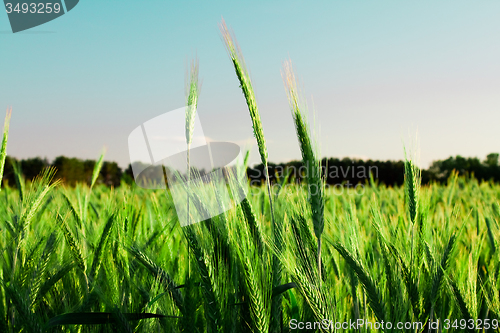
(123, 167)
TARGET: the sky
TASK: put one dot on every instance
(374, 76)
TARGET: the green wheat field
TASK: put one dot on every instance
(98, 259)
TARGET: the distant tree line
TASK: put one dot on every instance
(355, 171)
(345, 171)
(70, 170)
(489, 169)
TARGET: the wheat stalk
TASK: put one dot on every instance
(412, 188)
(258, 130)
(246, 86)
(412, 191)
(212, 310)
(309, 157)
(3, 148)
(192, 103)
(72, 243)
(97, 260)
(163, 277)
(95, 175)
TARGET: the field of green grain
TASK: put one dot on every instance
(95, 259)
(123, 253)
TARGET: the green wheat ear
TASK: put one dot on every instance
(95, 175)
(192, 100)
(412, 187)
(309, 155)
(3, 149)
(258, 130)
(246, 86)
(193, 91)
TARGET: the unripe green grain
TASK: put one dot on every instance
(309, 158)
(192, 101)
(246, 87)
(412, 188)
(3, 148)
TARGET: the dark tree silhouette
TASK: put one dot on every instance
(346, 171)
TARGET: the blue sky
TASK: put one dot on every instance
(373, 73)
